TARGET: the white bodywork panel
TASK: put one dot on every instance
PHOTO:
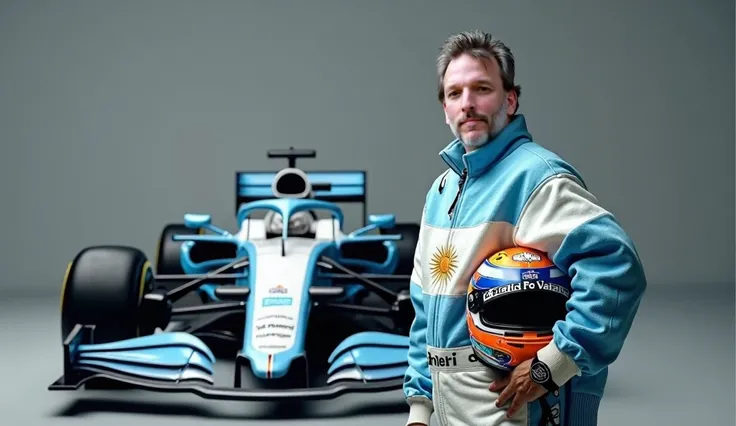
(278, 287)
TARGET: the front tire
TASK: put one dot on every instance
(104, 287)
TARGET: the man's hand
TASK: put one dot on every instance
(518, 385)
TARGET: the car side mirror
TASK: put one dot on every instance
(382, 221)
(196, 221)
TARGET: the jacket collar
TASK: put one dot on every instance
(479, 160)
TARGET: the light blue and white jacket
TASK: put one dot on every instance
(512, 192)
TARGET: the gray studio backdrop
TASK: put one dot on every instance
(117, 117)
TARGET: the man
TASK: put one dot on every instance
(502, 190)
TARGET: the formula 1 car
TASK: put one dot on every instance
(305, 309)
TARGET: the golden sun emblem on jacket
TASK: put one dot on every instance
(443, 264)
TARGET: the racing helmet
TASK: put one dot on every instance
(514, 299)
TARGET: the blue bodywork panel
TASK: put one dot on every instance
(346, 186)
(287, 207)
(369, 356)
(174, 356)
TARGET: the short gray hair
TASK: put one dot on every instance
(482, 46)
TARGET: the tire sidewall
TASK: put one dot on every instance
(104, 287)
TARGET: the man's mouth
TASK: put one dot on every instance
(472, 120)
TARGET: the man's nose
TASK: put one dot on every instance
(468, 101)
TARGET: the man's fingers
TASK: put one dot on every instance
(519, 399)
(506, 394)
(500, 383)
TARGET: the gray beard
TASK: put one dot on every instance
(497, 124)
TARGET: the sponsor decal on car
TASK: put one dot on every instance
(279, 289)
(277, 301)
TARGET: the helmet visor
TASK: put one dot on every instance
(520, 307)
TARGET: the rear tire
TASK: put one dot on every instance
(168, 253)
(104, 286)
(407, 245)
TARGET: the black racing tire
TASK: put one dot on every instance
(407, 245)
(103, 286)
(376, 251)
(168, 251)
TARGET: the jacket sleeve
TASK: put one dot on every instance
(585, 241)
(417, 379)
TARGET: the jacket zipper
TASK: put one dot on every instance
(451, 212)
(463, 176)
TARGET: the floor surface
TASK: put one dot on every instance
(677, 368)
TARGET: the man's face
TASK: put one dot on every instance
(476, 106)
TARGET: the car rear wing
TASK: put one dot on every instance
(348, 186)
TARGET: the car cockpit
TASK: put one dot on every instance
(301, 224)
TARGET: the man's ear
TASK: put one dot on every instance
(447, 118)
(512, 102)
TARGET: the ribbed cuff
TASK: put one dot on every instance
(420, 410)
(563, 368)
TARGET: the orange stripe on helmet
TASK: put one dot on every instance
(520, 257)
(519, 349)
